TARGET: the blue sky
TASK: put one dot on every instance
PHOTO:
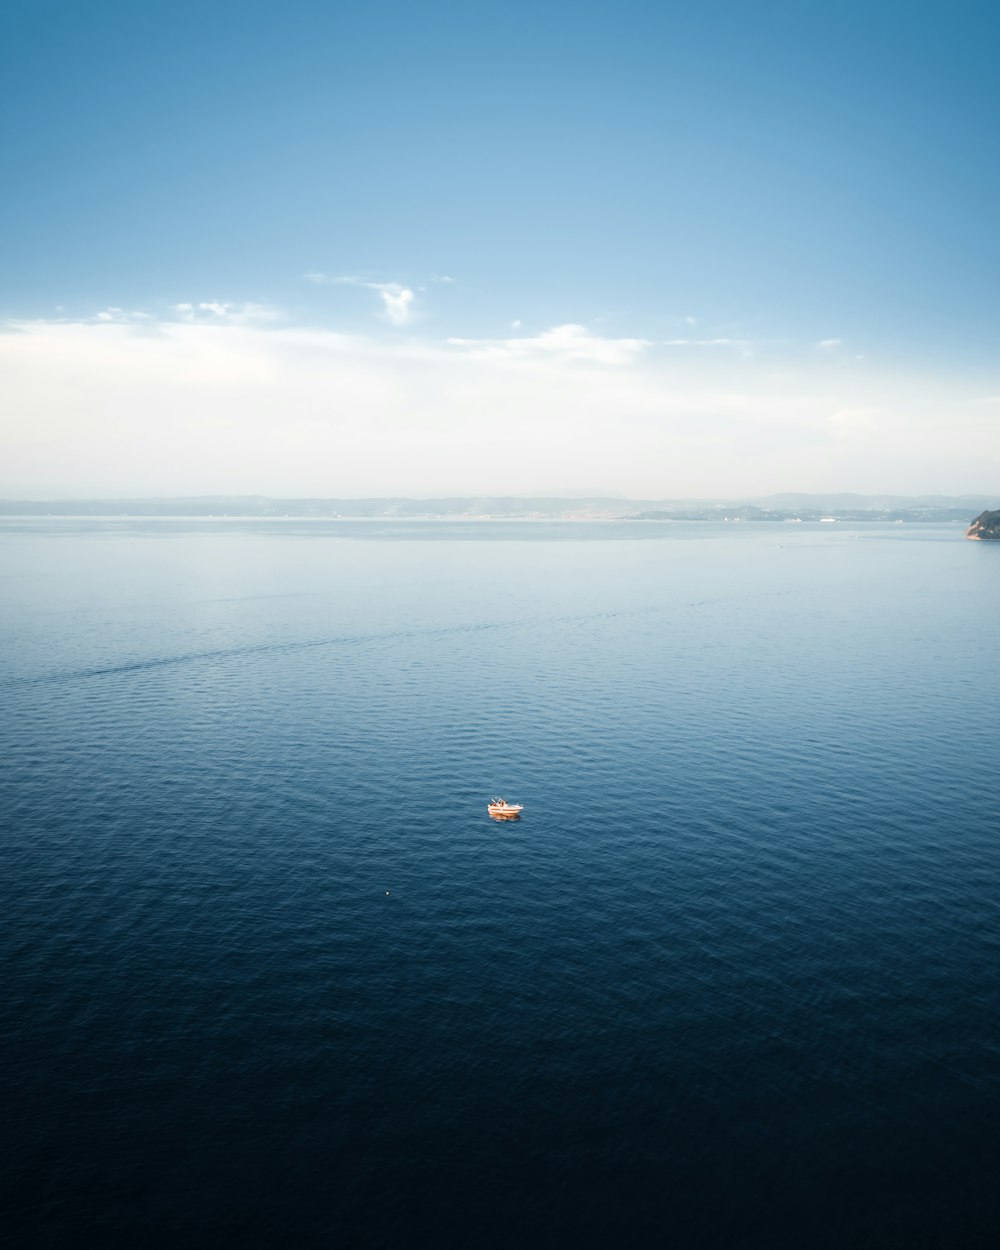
(774, 174)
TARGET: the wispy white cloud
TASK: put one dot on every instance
(566, 342)
(398, 301)
(830, 345)
(121, 314)
(742, 344)
(220, 311)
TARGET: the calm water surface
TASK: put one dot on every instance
(272, 978)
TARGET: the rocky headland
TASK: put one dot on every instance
(985, 526)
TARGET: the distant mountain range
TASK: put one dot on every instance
(781, 507)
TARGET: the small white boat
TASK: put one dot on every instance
(500, 809)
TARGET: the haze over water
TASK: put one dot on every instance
(272, 977)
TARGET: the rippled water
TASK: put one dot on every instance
(272, 977)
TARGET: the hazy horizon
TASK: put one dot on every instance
(554, 495)
(221, 405)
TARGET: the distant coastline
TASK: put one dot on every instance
(784, 508)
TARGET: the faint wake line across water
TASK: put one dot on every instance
(347, 640)
(280, 648)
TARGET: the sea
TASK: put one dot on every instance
(271, 977)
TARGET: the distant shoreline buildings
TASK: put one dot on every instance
(777, 508)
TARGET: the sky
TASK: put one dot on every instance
(661, 250)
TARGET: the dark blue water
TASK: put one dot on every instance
(272, 978)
